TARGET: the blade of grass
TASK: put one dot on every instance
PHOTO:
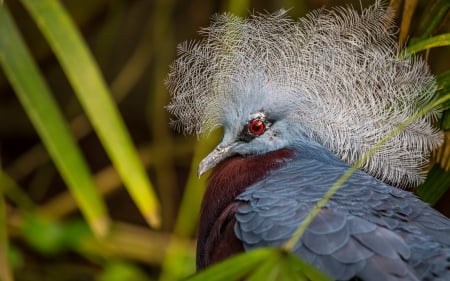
(435, 186)
(85, 77)
(302, 270)
(443, 80)
(235, 268)
(285, 266)
(261, 264)
(125, 80)
(160, 26)
(195, 187)
(442, 156)
(438, 179)
(432, 42)
(46, 117)
(14, 193)
(188, 214)
(268, 270)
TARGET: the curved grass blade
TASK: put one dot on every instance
(268, 270)
(285, 266)
(48, 120)
(432, 42)
(85, 77)
(262, 264)
(188, 214)
(234, 268)
(299, 268)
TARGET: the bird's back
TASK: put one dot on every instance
(368, 229)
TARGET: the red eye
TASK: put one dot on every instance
(256, 127)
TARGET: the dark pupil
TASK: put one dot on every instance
(256, 127)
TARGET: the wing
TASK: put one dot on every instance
(339, 244)
(368, 229)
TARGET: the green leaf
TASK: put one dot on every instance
(44, 235)
(284, 266)
(307, 271)
(51, 237)
(432, 42)
(234, 268)
(443, 81)
(263, 264)
(120, 271)
(434, 187)
(438, 179)
(268, 270)
(90, 88)
(33, 93)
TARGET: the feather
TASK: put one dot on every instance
(346, 239)
(336, 74)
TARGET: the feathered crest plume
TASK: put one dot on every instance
(338, 70)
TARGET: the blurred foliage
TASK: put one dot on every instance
(262, 264)
(88, 161)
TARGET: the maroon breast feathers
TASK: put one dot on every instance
(216, 238)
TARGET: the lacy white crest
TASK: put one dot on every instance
(341, 76)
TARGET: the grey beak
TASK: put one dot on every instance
(215, 157)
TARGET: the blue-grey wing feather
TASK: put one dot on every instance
(368, 229)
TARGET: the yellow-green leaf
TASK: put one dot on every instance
(49, 122)
(432, 42)
(90, 88)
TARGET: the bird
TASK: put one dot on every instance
(299, 102)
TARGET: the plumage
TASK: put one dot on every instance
(299, 103)
(349, 235)
(218, 209)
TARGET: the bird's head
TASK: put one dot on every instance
(332, 79)
(257, 123)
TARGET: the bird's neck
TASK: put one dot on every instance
(229, 179)
(236, 173)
